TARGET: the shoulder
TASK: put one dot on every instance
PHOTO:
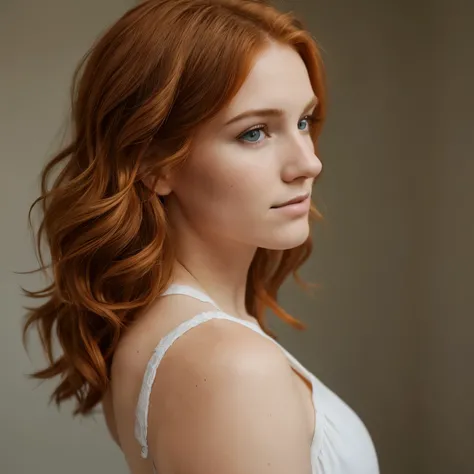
(222, 389)
(137, 345)
(133, 353)
(165, 315)
(150, 326)
(223, 349)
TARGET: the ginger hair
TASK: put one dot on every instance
(137, 96)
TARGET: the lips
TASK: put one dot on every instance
(295, 200)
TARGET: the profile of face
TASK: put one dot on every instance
(242, 166)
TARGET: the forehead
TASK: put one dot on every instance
(279, 78)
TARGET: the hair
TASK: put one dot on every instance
(137, 97)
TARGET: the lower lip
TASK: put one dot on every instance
(295, 210)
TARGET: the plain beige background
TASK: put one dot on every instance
(391, 330)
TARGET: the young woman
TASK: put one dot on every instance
(182, 204)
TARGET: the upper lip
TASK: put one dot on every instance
(295, 200)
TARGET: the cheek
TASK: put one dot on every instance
(224, 180)
(227, 184)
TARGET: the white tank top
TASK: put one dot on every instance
(341, 443)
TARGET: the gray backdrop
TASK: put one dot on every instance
(391, 329)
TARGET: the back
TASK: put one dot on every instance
(128, 368)
(212, 372)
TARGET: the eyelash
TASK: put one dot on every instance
(311, 119)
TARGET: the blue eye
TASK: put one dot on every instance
(252, 134)
(306, 120)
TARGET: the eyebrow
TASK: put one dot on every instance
(269, 112)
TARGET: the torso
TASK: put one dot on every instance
(119, 402)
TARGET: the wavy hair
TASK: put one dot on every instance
(137, 97)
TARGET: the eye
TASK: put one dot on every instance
(253, 134)
(311, 119)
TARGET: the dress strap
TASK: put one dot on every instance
(176, 289)
(141, 421)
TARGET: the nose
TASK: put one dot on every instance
(300, 161)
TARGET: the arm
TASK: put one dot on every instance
(109, 417)
(229, 408)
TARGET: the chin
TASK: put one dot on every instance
(288, 237)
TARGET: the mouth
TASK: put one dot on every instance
(295, 200)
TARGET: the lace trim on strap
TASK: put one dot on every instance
(141, 422)
(176, 289)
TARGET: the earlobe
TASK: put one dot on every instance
(160, 186)
(163, 187)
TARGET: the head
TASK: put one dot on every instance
(159, 146)
(244, 163)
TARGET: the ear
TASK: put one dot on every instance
(160, 185)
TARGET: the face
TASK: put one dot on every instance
(241, 168)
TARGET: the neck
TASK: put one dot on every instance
(218, 267)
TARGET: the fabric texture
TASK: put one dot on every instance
(341, 443)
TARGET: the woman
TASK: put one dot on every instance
(182, 205)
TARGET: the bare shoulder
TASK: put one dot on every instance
(224, 400)
(137, 345)
(132, 356)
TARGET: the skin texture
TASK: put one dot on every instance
(225, 399)
(220, 201)
(236, 411)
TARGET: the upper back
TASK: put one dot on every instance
(203, 351)
(129, 364)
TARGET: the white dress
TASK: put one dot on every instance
(341, 443)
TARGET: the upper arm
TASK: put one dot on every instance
(229, 408)
(109, 417)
